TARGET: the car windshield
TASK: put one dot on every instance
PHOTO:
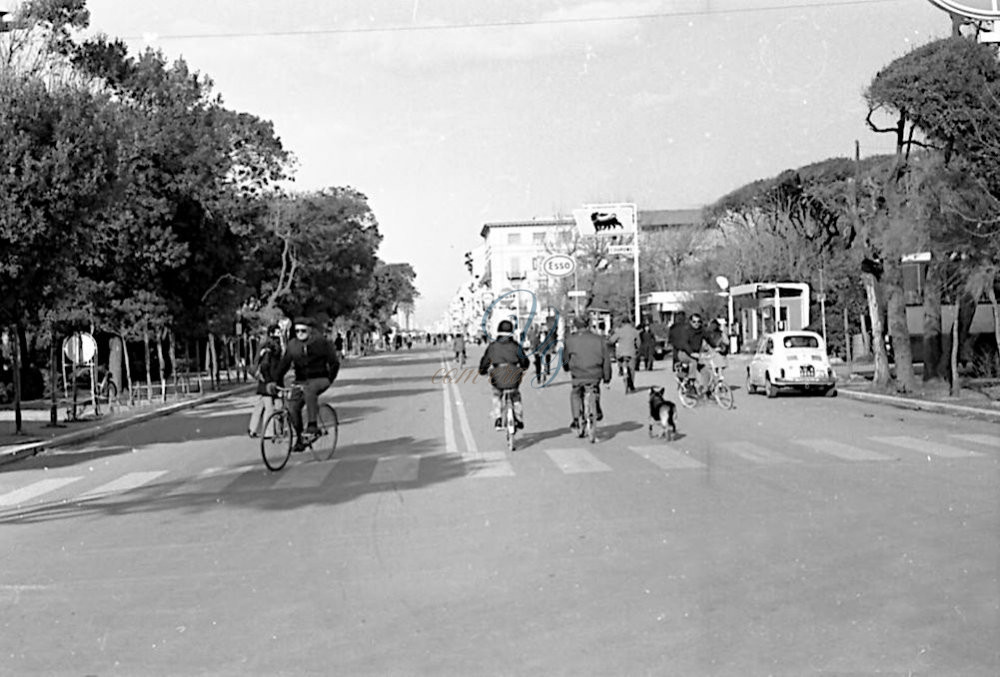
(801, 342)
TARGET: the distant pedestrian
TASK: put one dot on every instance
(647, 347)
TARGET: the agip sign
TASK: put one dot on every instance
(980, 10)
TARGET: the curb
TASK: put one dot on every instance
(11, 454)
(921, 405)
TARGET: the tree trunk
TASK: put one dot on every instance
(149, 367)
(934, 357)
(966, 311)
(53, 375)
(903, 354)
(882, 378)
(163, 373)
(992, 295)
(16, 355)
(211, 361)
(128, 370)
(172, 353)
(956, 385)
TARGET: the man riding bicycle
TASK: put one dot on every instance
(458, 345)
(587, 358)
(508, 363)
(316, 365)
(687, 344)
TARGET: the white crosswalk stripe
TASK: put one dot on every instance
(402, 469)
(667, 458)
(394, 469)
(572, 461)
(939, 449)
(756, 453)
(848, 452)
(24, 494)
(132, 480)
(985, 440)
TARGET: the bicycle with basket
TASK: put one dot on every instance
(690, 394)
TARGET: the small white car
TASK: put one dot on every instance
(791, 360)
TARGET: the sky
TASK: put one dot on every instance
(448, 114)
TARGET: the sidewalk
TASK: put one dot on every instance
(37, 435)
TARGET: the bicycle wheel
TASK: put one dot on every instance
(686, 394)
(592, 416)
(277, 440)
(723, 395)
(511, 426)
(325, 444)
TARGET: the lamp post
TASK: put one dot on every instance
(723, 283)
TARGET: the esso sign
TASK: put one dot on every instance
(559, 265)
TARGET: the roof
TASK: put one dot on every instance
(661, 218)
(536, 223)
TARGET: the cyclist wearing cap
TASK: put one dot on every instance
(316, 365)
(508, 362)
(587, 358)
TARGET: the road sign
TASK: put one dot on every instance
(80, 348)
(621, 249)
(614, 218)
(559, 265)
(573, 293)
(982, 10)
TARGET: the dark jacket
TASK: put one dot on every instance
(507, 361)
(586, 357)
(313, 358)
(267, 364)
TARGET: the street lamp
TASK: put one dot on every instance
(723, 283)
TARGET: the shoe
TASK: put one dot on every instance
(299, 446)
(252, 434)
(312, 429)
(575, 425)
(600, 416)
(498, 424)
(518, 425)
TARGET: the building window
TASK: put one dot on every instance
(538, 238)
(513, 238)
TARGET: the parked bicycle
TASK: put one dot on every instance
(278, 434)
(690, 392)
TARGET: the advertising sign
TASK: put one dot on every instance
(616, 218)
(559, 265)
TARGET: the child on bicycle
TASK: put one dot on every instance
(508, 363)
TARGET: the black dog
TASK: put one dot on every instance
(662, 412)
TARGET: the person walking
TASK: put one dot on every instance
(264, 372)
(647, 347)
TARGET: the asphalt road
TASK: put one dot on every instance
(797, 536)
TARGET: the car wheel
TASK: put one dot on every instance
(751, 388)
(831, 391)
(769, 388)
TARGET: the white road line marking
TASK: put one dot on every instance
(985, 440)
(449, 423)
(926, 446)
(668, 459)
(19, 496)
(305, 476)
(490, 464)
(756, 453)
(393, 469)
(576, 461)
(124, 483)
(463, 418)
(840, 450)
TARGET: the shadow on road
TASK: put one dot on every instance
(304, 482)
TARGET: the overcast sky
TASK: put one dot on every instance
(451, 113)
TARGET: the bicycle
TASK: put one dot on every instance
(689, 392)
(507, 416)
(588, 426)
(277, 440)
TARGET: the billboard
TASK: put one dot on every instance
(617, 218)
